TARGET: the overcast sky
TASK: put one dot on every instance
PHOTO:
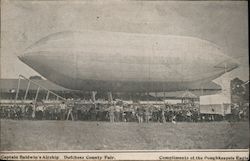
(24, 22)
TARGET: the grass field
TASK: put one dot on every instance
(69, 135)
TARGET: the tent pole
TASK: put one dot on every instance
(37, 92)
(17, 92)
(47, 96)
(27, 90)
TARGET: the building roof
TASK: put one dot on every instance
(188, 95)
(179, 94)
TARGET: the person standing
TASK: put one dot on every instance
(140, 114)
(33, 115)
(70, 109)
(189, 115)
(62, 111)
(112, 114)
(117, 113)
(147, 114)
(30, 111)
(92, 112)
(163, 115)
(39, 110)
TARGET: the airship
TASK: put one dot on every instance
(126, 62)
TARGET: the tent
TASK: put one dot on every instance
(187, 97)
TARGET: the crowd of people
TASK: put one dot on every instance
(117, 112)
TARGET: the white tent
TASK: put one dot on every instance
(215, 104)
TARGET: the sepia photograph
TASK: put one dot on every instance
(123, 76)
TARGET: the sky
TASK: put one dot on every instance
(223, 23)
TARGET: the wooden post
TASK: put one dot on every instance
(37, 92)
(47, 96)
(27, 90)
(18, 86)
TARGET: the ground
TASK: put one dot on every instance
(78, 135)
